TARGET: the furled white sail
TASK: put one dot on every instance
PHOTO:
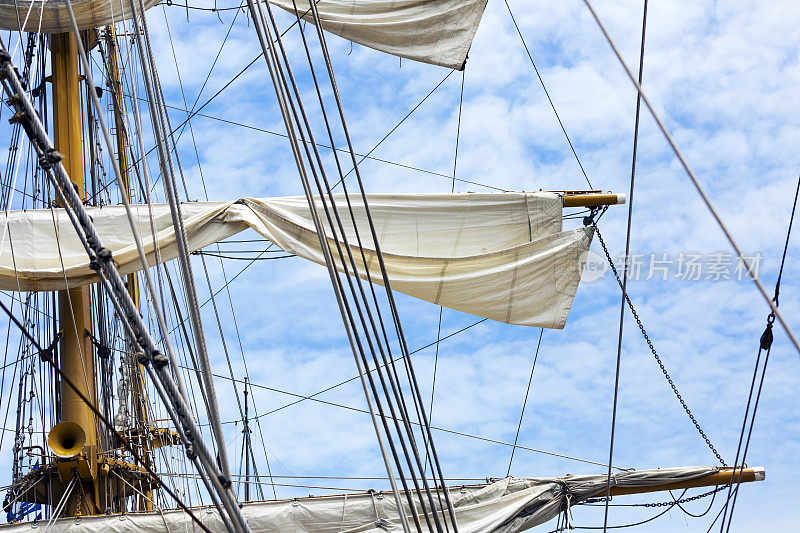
(438, 32)
(502, 256)
(505, 506)
(51, 16)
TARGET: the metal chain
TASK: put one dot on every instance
(667, 503)
(682, 500)
(654, 352)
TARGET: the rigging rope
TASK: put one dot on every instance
(653, 349)
(352, 296)
(323, 145)
(101, 260)
(369, 153)
(161, 127)
(547, 94)
(765, 345)
(435, 428)
(625, 269)
(525, 402)
(290, 117)
(441, 308)
(248, 451)
(697, 185)
(326, 389)
(191, 114)
(48, 357)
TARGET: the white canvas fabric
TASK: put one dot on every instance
(502, 256)
(439, 32)
(505, 506)
(51, 16)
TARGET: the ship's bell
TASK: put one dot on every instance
(66, 439)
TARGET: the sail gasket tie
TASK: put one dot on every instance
(159, 360)
(104, 254)
(14, 101)
(50, 157)
(190, 453)
(103, 351)
(142, 359)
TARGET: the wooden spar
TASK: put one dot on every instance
(591, 198)
(145, 500)
(721, 477)
(77, 352)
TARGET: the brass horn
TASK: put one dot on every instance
(66, 439)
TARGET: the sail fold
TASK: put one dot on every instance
(438, 32)
(505, 506)
(502, 256)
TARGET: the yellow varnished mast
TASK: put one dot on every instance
(100, 482)
(76, 349)
(140, 391)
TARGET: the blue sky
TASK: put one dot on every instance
(723, 75)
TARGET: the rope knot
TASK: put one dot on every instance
(49, 158)
(159, 360)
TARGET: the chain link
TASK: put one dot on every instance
(654, 352)
(667, 503)
(682, 500)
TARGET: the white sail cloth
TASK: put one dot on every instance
(505, 506)
(502, 256)
(439, 32)
(50, 16)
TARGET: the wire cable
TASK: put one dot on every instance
(352, 152)
(765, 345)
(525, 402)
(64, 378)
(547, 94)
(697, 185)
(625, 269)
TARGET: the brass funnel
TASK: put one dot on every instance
(66, 439)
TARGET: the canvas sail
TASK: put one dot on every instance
(502, 256)
(51, 16)
(438, 32)
(505, 506)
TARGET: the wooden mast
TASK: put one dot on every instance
(139, 388)
(76, 349)
(725, 476)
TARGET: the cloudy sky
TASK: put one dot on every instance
(723, 76)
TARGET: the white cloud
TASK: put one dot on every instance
(723, 75)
